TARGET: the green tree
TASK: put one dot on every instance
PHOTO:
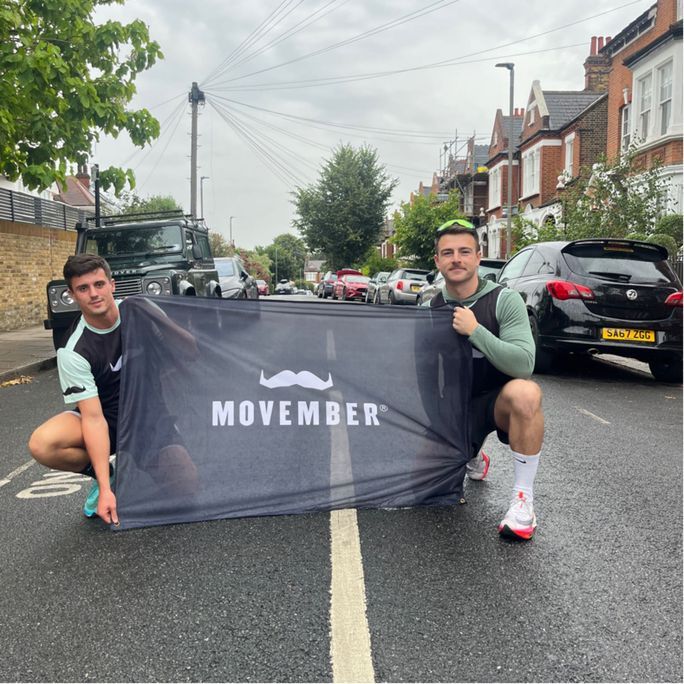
(220, 247)
(65, 80)
(415, 225)
(133, 204)
(375, 263)
(287, 255)
(258, 265)
(343, 213)
(615, 200)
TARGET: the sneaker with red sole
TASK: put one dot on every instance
(520, 522)
(478, 467)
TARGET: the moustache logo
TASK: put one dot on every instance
(288, 378)
(73, 390)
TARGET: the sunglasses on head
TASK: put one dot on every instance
(456, 222)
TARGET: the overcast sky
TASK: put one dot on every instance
(414, 111)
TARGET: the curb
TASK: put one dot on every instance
(29, 369)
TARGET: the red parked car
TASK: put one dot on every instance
(262, 286)
(350, 287)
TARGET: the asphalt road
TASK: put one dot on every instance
(596, 596)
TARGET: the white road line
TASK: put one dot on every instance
(14, 473)
(592, 415)
(350, 647)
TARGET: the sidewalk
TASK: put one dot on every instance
(24, 352)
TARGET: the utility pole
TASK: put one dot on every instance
(195, 97)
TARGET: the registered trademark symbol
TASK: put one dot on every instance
(383, 408)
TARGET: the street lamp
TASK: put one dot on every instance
(510, 66)
(276, 265)
(231, 230)
(202, 179)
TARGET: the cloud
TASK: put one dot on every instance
(448, 102)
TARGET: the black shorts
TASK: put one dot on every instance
(482, 421)
(110, 427)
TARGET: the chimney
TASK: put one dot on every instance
(82, 176)
(597, 66)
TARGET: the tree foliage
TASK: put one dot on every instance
(133, 204)
(220, 247)
(614, 200)
(415, 225)
(374, 263)
(65, 80)
(287, 255)
(343, 213)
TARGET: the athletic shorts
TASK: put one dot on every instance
(112, 431)
(482, 421)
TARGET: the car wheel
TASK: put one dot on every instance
(667, 370)
(544, 358)
(390, 298)
(377, 299)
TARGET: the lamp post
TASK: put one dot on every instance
(202, 179)
(485, 237)
(276, 265)
(230, 219)
(511, 72)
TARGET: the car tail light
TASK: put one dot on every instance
(675, 299)
(400, 285)
(564, 289)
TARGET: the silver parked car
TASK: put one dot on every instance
(235, 282)
(378, 290)
(488, 270)
(404, 285)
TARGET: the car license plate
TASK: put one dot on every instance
(628, 335)
(415, 288)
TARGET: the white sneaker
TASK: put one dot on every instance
(478, 467)
(520, 522)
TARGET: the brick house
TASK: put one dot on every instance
(645, 92)
(76, 192)
(562, 132)
(497, 189)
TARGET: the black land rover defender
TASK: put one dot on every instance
(165, 253)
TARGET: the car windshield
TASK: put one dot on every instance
(225, 269)
(484, 270)
(619, 262)
(160, 240)
(357, 279)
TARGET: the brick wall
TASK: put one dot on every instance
(30, 256)
(591, 136)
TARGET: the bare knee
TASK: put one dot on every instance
(40, 447)
(522, 398)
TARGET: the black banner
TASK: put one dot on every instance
(246, 408)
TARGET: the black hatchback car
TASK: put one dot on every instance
(601, 295)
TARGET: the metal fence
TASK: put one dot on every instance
(23, 208)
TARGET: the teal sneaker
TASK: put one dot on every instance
(90, 505)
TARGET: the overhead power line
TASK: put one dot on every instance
(412, 16)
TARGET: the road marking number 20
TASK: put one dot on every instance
(54, 483)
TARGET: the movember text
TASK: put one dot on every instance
(246, 413)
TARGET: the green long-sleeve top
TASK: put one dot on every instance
(513, 351)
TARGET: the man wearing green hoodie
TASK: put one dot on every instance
(504, 399)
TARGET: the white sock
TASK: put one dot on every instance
(525, 468)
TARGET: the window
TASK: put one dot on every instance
(645, 87)
(625, 137)
(495, 139)
(531, 121)
(665, 99)
(569, 148)
(495, 188)
(515, 267)
(530, 173)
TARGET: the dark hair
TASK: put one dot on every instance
(457, 230)
(80, 264)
